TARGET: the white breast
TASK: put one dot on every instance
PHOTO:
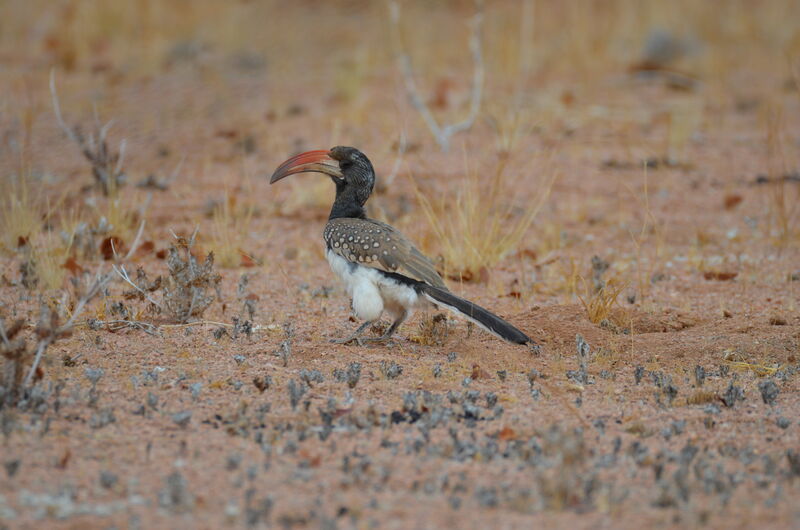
(372, 291)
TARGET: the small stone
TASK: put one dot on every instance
(391, 370)
(783, 423)
(487, 497)
(12, 466)
(533, 375)
(296, 392)
(732, 395)
(353, 374)
(311, 376)
(769, 391)
(108, 479)
(102, 418)
(262, 383)
(93, 374)
(233, 461)
(699, 375)
(182, 418)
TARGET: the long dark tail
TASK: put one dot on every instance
(474, 313)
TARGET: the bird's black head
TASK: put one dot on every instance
(349, 169)
(357, 172)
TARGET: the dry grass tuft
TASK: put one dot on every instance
(106, 164)
(20, 212)
(479, 226)
(229, 231)
(432, 331)
(782, 196)
(599, 303)
(47, 260)
(758, 369)
(701, 397)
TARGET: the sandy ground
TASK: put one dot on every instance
(681, 409)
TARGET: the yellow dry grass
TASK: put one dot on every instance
(229, 231)
(598, 304)
(758, 369)
(782, 197)
(20, 211)
(48, 258)
(478, 225)
(701, 397)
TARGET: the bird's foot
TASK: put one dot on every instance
(355, 336)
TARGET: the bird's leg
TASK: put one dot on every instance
(356, 336)
(389, 332)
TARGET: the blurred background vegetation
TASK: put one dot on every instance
(225, 90)
(310, 39)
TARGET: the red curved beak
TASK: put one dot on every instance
(309, 162)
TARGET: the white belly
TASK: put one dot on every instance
(372, 292)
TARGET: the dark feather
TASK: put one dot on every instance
(485, 319)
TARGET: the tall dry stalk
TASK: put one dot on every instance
(783, 198)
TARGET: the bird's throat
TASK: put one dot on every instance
(347, 204)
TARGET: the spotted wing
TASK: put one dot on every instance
(375, 244)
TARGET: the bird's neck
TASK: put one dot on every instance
(347, 204)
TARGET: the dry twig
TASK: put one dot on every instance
(106, 165)
(441, 132)
(48, 330)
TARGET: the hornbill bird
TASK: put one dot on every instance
(380, 268)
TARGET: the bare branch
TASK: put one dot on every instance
(106, 166)
(442, 133)
(176, 171)
(135, 244)
(57, 109)
(125, 276)
(96, 287)
(401, 150)
(116, 325)
(121, 157)
(3, 333)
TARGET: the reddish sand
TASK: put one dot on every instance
(467, 448)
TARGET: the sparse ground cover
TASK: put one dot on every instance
(626, 193)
